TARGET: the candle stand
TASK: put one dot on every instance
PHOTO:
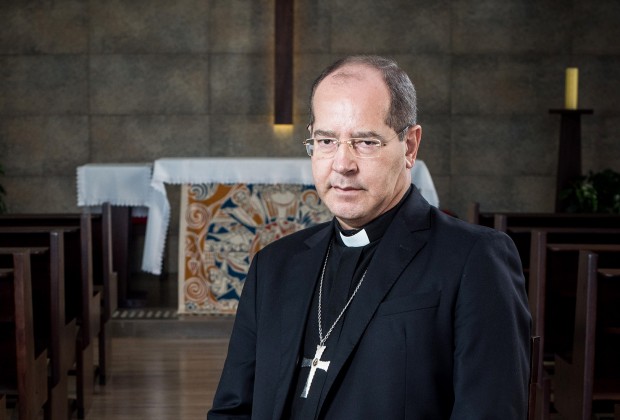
(569, 150)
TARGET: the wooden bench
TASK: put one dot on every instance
(561, 276)
(80, 298)
(56, 327)
(591, 372)
(3, 414)
(539, 386)
(518, 225)
(105, 279)
(104, 274)
(566, 232)
(23, 366)
(503, 220)
(522, 237)
(552, 287)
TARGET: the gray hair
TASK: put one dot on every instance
(403, 106)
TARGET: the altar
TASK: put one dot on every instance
(230, 209)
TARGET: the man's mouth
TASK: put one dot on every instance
(346, 188)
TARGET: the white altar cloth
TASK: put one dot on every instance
(209, 170)
(120, 184)
(230, 171)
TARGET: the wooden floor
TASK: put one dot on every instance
(167, 378)
(167, 370)
(160, 379)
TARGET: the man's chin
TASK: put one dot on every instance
(346, 215)
(344, 205)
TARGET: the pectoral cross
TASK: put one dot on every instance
(313, 364)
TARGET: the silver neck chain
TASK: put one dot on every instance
(321, 338)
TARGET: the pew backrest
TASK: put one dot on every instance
(22, 368)
(101, 243)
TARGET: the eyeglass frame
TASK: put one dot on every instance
(350, 143)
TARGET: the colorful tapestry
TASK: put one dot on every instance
(223, 226)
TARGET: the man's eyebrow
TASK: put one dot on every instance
(356, 135)
(324, 133)
(366, 135)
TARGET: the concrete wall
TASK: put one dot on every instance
(135, 80)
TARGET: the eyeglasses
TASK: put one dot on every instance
(326, 147)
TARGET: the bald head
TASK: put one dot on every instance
(402, 110)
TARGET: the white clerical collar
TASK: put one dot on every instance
(358, 239)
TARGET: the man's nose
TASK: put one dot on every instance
(344, 161)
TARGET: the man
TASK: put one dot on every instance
(393, 310)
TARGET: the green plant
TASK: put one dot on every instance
(2, 194)
(594, 193)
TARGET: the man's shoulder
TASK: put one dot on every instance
(420, 215)
(458, 228)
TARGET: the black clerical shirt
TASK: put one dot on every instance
(345, 267)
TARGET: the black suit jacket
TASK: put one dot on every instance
(440, 329)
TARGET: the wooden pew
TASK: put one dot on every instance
(23, 366)
(539, 386)
(551, 289)
(518, 225)
(109, 285)
(105, 278)
(3, 414)
(561, 277)
(521, 235)
(57, 328)
(503, 220)
(102, 244)
(80, 298)
(583, 376)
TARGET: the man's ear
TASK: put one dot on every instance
(412, 142)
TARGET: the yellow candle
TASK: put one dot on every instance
(572, 80)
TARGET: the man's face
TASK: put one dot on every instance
(357, 190)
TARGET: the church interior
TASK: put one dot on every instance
(157, 145)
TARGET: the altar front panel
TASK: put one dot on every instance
(223, 226)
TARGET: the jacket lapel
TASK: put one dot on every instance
(405, 237)
(296, 297)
